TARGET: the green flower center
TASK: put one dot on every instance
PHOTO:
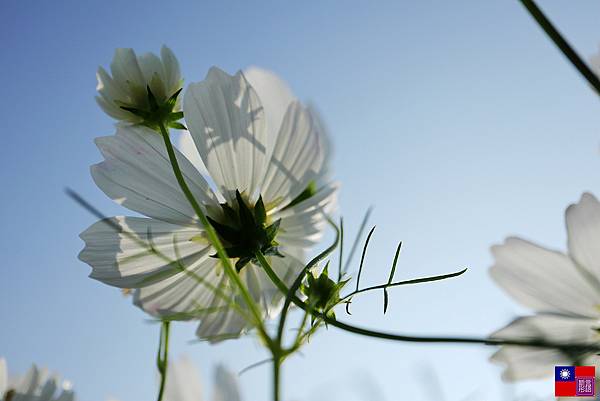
(244, 231)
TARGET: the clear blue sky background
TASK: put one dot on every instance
(459, 121)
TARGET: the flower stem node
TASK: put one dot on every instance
(245, 231)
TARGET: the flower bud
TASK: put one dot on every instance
(142, 89)
(322, 292)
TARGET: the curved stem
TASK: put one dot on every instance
(162, 359)
(289, 295)
(212, 235)
(561, 43)
(418, 339)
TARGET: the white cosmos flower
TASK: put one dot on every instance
(131, 75)
(183, 383)
(562, 288)
(37, 385)
(244, 155)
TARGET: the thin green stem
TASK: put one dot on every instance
(212, 235)
(162, 359)
(298, 281)
(405, 282)
(341, 253)
(561, 43)
(298, 340)
(276, 377)
(419, 339)
(359, 234)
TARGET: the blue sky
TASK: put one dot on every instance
(459, 121)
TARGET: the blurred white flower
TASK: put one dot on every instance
(282, 170)
(226, 385)
(183, 383)
(562, 288)
(131, 76)
(36, 385)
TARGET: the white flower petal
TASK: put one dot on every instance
(302, 225)
(275, 97)
(137, 173)
(542, 279)
(583, 227)
(533, 362)
(154, 74)
(28, 384)
(115, 112)
(183, 382)
(296, 160)
(125, 69)
(325, 145)
(171, 68)
(48, 389)
(118, 260)
(223, 325)
(226, 385)
(107, 87)
(226, 120)
(188, 148)
(184, 296)
(230, 323)
(287, 269)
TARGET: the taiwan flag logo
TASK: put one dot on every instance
(574, 381)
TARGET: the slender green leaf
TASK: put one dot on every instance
(385, 300)
(341, 254)
(362, 258)
(361, 229)
(395, 262)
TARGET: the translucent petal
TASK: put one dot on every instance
(226, 120)
(542, 279)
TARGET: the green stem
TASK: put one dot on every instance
(298, 340)
(405, 282)
(399, 337)
(276, 377)
(341, 254)
(561, 43)
(212, 235)
(162, 359)
(149, 246)
(296, 284)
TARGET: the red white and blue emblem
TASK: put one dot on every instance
(574, 381)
